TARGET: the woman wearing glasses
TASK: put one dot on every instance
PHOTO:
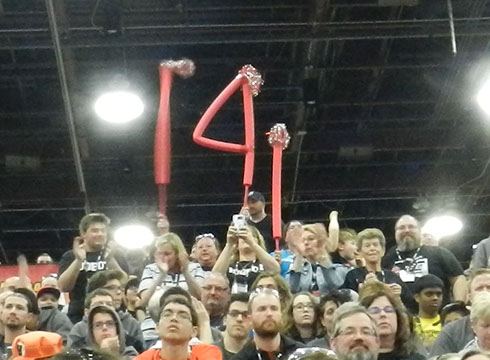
(396, 339)
(303, 318)
(106, 333)
(244, 258)
(206, 253)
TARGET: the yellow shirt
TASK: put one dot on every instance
(427, 329)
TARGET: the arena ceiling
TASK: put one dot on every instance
(377, 96)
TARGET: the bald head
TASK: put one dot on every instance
(407, 233)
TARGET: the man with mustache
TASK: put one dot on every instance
(268, 344)
(411, 260)
(16, 313)
(215, 295)
(238, 326)
(354, 336)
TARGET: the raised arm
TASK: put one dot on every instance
(228, 253)
(68, 278)
(333, 232)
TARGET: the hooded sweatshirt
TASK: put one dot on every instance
(134, 336)
(52, 320)
(128, 352)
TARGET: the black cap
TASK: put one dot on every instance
(49, 290)
(256, 196)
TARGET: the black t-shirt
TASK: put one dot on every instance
(242, 275)
(358, 275)
(265, 228)
(425, 260)
(94, 262)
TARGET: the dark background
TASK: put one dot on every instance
(387, 111)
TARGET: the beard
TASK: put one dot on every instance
(362, 355)
(267, 329)
(408, 243)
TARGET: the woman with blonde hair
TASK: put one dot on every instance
(302, 321)
(396, 339)
(244, 258)
(313, 270)
(171, 268)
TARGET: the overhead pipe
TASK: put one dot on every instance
(67, 102)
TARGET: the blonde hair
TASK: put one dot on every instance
(173, 240)
(319, 231)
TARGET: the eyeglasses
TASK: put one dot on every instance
(353, 331)
(302, 306)
(235, 313)
(114, 288)
(207, 235)
(181, 315)
(258, 291)
(216, 288)
(110, 324)
(376, 310)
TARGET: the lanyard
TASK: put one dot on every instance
(411, 263)
(174, 282)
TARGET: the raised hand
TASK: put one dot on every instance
(232, 235)
(395, 288)
(183, 262)
(162, 266)
(111, 343)
(79, 249)
(202, 313)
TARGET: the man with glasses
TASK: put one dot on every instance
(268, 344)
(106, 332)
(411, 260)
(215, 295)
(177, 325)
(238, 326)
(111, 282)
(354, 335)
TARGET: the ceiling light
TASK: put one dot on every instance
(444, 225)
(119, 106)
(483, 97)
(133, 236)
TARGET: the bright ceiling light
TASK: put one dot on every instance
(483, 97)
(119, 106)
(133, 236)
(441, 226)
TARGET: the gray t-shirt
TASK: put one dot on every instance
(453, 337)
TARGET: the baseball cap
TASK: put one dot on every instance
(49, 290)
(36, 345)
(256, 196)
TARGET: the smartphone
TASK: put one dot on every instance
(239, 221)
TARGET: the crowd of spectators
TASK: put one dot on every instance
(327, 293)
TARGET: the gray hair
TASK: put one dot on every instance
(480, 308)
(348, 309)
(218, 275)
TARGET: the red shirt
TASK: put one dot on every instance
(198, 352)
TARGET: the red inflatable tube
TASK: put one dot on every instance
(162, 133)
(249, 80)
(279, 140)
(184, 68)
